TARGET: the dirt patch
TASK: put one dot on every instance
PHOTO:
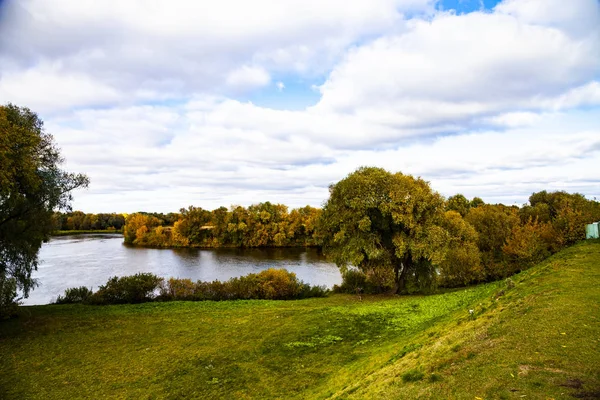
(573, 383)
(587, 395)
(524, 370)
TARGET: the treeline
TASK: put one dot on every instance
(260, 225)
(481, 242)
(510, 239)
(487, 242)
(80, 221)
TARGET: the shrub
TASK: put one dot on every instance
(180, 289)
(353, 281)
(376, 280)
(75, 295)
(8, 297)
(308, 291)
(137, 288)
(278, 284)
(272, 284)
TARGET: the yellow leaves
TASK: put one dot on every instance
(364, 225)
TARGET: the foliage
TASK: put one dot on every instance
(138, 227)
(355, 281)
(270, 284)
(458, 203)
(462, 264)
(567, 212)
(32, 187)
(529, 244)
(8, 297)
(80, 294)
(374, 218)
(79, 221)
(260, 225)
(494, 225)
(136, 288)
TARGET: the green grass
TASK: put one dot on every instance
(85, 232)
(539, 339)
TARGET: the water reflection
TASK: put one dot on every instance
(90, 260)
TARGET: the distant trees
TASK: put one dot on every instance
(260, 225)
(32, 187)
(78, 220)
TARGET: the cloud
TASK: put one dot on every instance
(246, 78)
(142, 48)
(457, 69)
(160, 102)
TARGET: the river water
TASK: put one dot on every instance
(90, 260)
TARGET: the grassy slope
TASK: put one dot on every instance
(539, 339)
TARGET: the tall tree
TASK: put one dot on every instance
(32, 187)
(375, 219)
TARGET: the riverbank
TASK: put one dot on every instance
(87, 232)
(535, 336)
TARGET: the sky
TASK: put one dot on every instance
(166, 104)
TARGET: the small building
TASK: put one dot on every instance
(592, 231)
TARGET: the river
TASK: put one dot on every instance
(90, 260)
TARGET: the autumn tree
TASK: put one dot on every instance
(32, 187)
(137, 226)
(462, 263)
(458, 203)
(494, 225)
(376, 219)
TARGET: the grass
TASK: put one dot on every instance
(539, 339)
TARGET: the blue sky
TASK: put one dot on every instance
(167, 104)
(467, 6)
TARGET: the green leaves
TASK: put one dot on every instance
(376, 219)
(32, 187)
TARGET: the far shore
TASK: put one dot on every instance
(84, 232)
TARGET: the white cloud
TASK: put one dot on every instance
(47, 88)
(146, 97)
(461, 67)
(246, 78)
(144, 47)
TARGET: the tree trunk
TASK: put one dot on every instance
(400, 272)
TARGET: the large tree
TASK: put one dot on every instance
(376, 219)
(32, 187)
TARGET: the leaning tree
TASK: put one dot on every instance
(375, 219)
(32, 187)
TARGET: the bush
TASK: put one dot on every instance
(353, 281)
(8, 297)
(137, 288)
(376, 280)
(75, 295)
(270, 284)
